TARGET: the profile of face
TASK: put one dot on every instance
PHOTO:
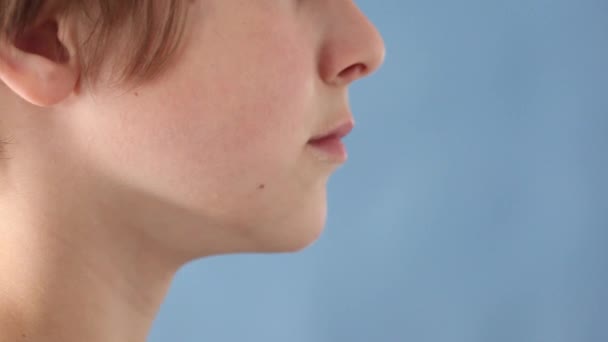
(216, 149)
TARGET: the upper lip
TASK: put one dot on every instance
(338, 131)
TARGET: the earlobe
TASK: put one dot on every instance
(37, 67)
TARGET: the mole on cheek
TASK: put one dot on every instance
(261, 186)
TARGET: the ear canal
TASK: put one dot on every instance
(43, 41)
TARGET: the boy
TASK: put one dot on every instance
(144, 134)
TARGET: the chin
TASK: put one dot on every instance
(297, 231)
(299, 243)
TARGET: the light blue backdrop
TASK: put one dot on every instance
(473, 207)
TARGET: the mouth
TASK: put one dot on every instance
(339, 132)
(330, 144)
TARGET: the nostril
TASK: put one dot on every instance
(353, 72)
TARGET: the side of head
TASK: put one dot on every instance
(187, 121)
(75, 37)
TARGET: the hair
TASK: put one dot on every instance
(153, 29)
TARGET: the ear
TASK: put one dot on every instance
(37, 66)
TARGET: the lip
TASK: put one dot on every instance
(339, 132)
(330, 146)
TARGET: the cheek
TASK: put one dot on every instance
(254, 137)
(227, 138)
(254, 107)
(223, 135)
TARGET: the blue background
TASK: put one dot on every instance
(473, 207)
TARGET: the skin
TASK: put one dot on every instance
(107, 191)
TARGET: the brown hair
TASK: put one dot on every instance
(154, 28)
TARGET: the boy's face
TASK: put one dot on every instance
(223, 133)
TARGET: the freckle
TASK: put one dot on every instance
(261, 186)
(136, 94)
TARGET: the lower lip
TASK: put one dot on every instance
(332, 149)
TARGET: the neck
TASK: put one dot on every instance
(82, 258)
(55, 288)
(70, 271)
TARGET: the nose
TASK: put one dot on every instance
(352, 46)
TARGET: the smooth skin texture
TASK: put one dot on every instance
(107, 190)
